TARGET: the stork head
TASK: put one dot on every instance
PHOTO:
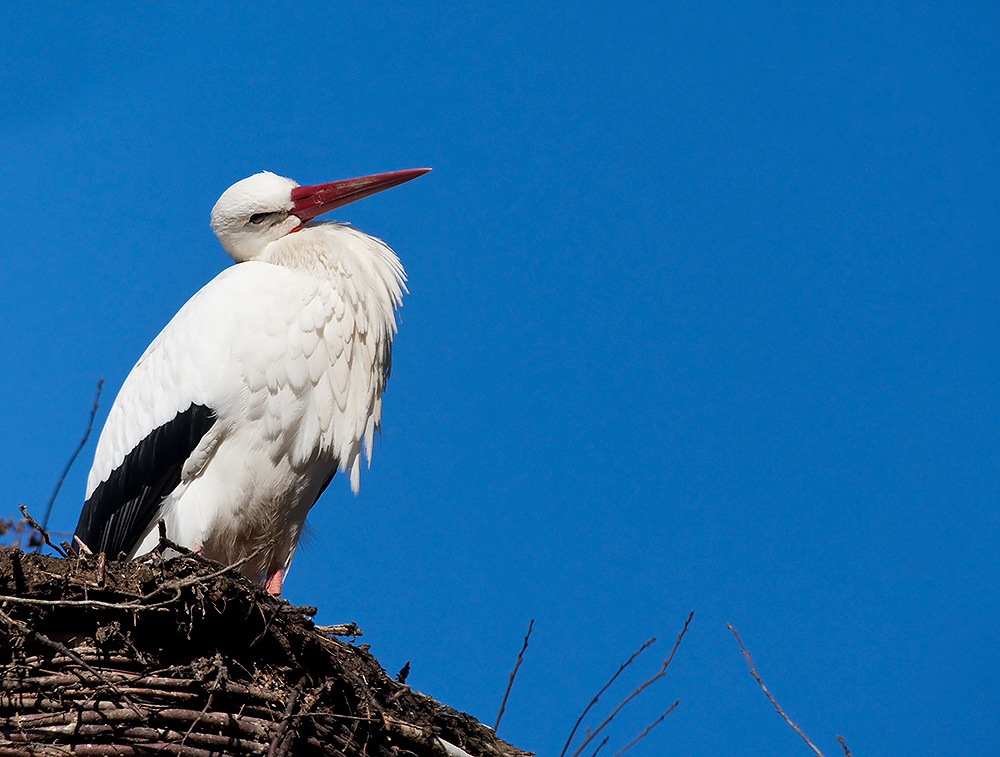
(264, 207)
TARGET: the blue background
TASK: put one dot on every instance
(704, 316)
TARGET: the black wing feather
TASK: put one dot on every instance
(122, 508)
(326, 483)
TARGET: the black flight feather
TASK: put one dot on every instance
(123, 507)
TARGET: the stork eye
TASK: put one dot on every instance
(268, 218)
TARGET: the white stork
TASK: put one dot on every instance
(265, 384)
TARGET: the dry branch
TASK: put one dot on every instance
(41, 531)
(648, 728)
(597, 696)
(753, 672)
(510, 682)
(662, 672)
(603, 742)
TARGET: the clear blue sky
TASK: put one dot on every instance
(703, 316)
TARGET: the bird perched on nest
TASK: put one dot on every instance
(265, 384)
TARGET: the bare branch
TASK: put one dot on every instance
(92, 603)
(72, 459)
(847, 751)
(603, 742)
(513, 673)
(643, 685)
(40, 529)
(753, 672)
(164, 544)
(593, 701)
(649, 728)
(341, 629)
(80, 547)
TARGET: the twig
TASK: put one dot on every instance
(753, 672)
(81, 548)
(341, 629)
(603, 742)
(164, 544)
(83, 441)
(593, 701)
(40, 529)
(847, 751)
(93, 603)
(286, 606)
(643, 685)
(513, 673)
(649, 728)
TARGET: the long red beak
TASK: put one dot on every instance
(314, 200)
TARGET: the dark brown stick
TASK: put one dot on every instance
(278, 743)
(753, 672)
(513, 673)
(40, 529)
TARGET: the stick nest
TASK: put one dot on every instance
(184, 657)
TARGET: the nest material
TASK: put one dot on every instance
(183, 657)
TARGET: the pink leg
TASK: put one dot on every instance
(273, 583)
